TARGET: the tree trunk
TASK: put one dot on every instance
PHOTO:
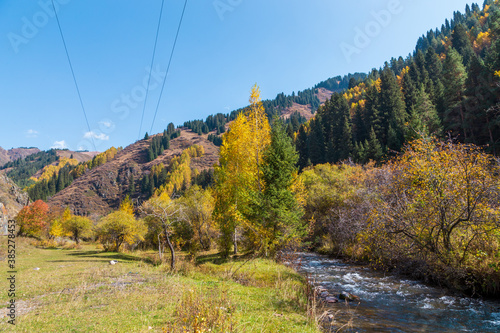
(235, 243)
(171, 247)
(160, 254)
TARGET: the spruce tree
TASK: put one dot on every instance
(392, 110)
(131, 185)
(433, 64)
(302, 145)
(317, 141)
(276, 208)
(373, 147)
(462, 44)
(454, 78)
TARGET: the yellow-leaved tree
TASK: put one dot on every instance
(57, 229)
(161, 214)
(119, 227)
(239, 172)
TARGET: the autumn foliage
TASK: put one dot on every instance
(432, 212)
(32, 219)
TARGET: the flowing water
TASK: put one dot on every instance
(392, 304)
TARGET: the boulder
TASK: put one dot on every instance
(348, 296)
(332, 300)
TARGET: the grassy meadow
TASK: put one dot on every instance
(77, 290)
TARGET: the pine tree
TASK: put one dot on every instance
(346, 147)
(433, 64)
(462, 44)
(131, 185)
(170, 128)
(302, 145)
(275, 209)
(373, 149)
(359, 151)
(317, 141)
(454, 78)
(372, 110)
(392, 109)
(424, 120)
(409, 92)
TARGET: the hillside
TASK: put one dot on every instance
(102, 189)
(12, 199)
(15, 153)
(80, 157)
(22, 170)
(448, 88)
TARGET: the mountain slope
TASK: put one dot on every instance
(102, 189)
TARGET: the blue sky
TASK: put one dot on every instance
(224, 47)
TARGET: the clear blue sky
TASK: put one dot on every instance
(224, 47)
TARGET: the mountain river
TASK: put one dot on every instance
(389, 303)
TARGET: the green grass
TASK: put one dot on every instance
(79, 291)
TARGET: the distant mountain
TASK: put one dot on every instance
(22, 170)
(15, 153)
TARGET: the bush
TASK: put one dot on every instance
(203, 311)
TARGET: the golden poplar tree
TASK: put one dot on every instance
(239, 172)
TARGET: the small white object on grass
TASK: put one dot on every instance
(113, 262)
(36, 269)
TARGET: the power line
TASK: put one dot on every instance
(169, 62)
(73, 74)
(151, 69)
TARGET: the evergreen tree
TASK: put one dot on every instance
(131, 185)
(302, 144)
(317, 141)
(373, 149)
(424, 120)
(462, 44)
(276, 209)
(346, 147)
(454, 78)
(433, 64)
(392, 109)
(170, 128)
(409, 92)
(372, 111)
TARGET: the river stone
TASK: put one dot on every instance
(332, 300)
(348, 296)
(325, 294)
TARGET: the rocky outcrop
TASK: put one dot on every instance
(12, 200)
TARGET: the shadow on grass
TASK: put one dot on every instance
(100, 256)
(218, 259)
(214, 258)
